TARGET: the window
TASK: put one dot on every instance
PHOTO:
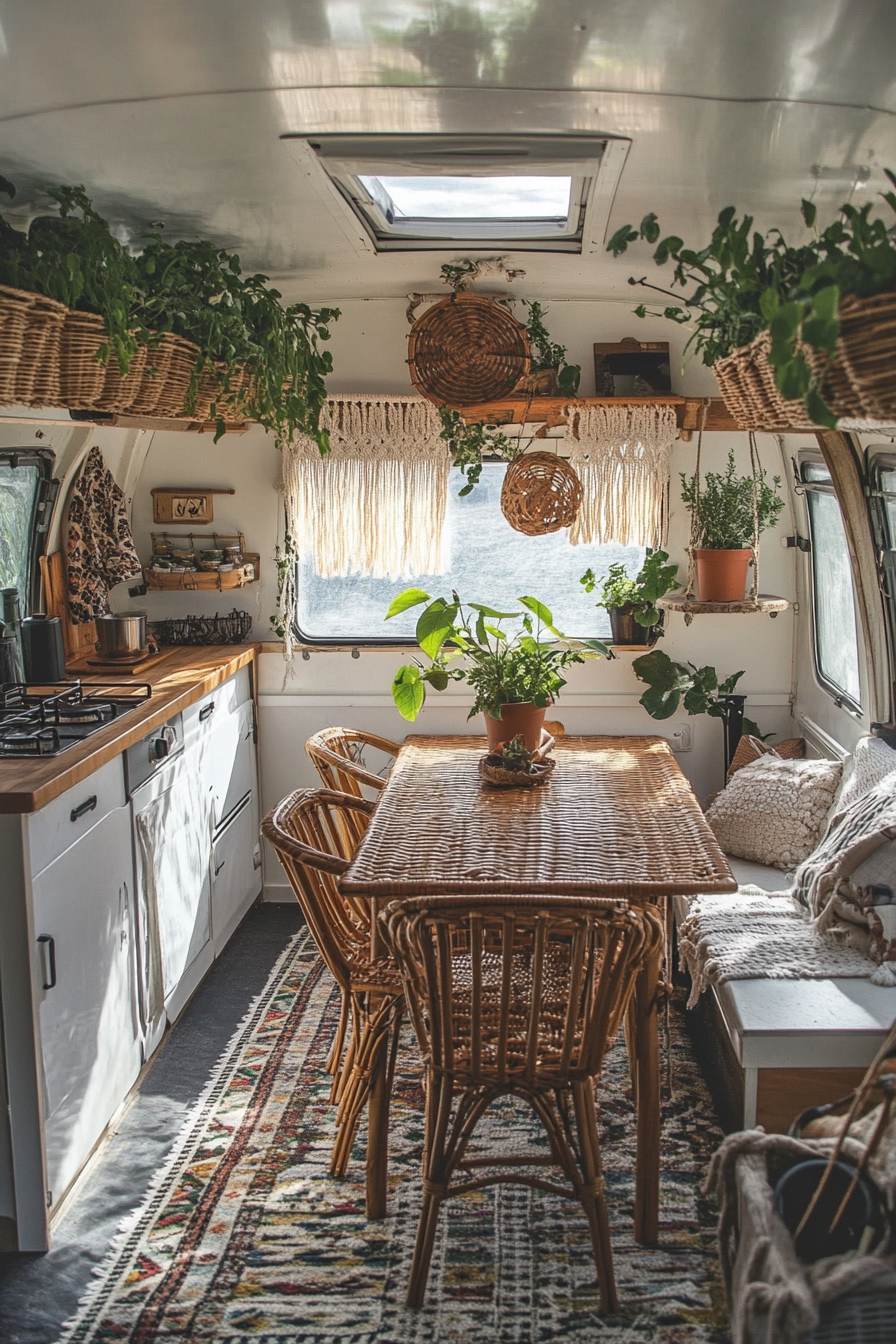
(548, 191)
(836, 638)
(489, 562)
(883, 514)
(26, 493)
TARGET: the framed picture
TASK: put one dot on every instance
(184, 505)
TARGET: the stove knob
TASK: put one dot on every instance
(159, 748)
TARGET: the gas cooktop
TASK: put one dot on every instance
(47, 719)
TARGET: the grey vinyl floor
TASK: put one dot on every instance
(38, 1293)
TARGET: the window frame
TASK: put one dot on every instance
(878, 459)
(44, 459)
(594, 162)
(841, 697)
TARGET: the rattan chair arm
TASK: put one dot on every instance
(273, 830)
(346, 766)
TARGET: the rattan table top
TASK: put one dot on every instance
(618, 818)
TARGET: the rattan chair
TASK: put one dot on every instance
(336, 754)
(515, 995)
(315, 833)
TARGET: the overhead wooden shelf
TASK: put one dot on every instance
(765, 604)
(552, 411)
(59, 416)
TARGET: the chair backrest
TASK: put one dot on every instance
(524, 989)
(335, 753)
(315, 832)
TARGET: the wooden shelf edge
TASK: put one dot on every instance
(551, 411)
(767, 604)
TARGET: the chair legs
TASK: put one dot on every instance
(575, 1148)
(371, 1025)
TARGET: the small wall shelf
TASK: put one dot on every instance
(765, 604)
(551, 411)
(190, 580)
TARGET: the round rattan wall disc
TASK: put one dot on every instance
(465, 350)
(541, 493)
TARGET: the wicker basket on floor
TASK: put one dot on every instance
(465, 350)
(541, 493)
(15, 309)
(81, 374)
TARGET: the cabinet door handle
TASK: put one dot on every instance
(50, 944)
(204, 713)
(82, 809)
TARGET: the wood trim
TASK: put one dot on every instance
(551, 411)
(783, 1093)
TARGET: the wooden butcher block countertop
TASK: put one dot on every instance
(178, 679)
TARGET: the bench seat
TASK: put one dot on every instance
(789, 1044)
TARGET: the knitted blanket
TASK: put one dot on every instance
(752, 935)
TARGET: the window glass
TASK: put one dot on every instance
(489, 562)
(836, 638)
(888, 484)
(18, 500)
(473, 197)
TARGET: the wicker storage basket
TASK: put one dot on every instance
(37, 380)
(541, 493)
(465, 350)
(747, 383)
(119, 392)
(15, 308)
(81, 374)
(182, 357)
(154, 376)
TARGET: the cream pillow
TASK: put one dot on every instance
(775, 811)
(871, 761)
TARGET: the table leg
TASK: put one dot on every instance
(647, 1063)
(378, 1128)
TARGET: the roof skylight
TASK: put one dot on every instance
(508, 198)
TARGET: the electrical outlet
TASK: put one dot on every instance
(681, 738)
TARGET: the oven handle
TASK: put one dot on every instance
(82, 809)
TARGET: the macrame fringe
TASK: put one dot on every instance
(622, 455)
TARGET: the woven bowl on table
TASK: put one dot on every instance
(541, 493)
(15, 309)
(81, 374)
(466, 350)
(37, 379)
(493, 771)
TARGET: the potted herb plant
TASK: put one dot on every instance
(631, 603)
(729, 510)
(513, 676)
(549, 374)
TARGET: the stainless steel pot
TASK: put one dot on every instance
(121, 636)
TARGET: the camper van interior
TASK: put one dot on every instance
(447, 671)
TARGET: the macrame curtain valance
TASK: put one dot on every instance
(376, 505)
(622, 455)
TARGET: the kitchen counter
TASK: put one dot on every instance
(178, 679)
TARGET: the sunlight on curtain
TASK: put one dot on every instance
(622, 455)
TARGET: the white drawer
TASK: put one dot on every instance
(74, 813)
(216, 705)
(227, 760)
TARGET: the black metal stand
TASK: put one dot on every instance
(734, 726)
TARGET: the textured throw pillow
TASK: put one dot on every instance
(849, 884)
(774, 811)
(751, 748)
(871, 761)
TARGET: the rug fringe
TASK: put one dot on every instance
(132, 1222)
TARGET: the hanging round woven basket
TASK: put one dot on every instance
(541, 493)
(465, 350)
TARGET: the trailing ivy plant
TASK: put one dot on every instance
(546, 354)
(724, 507)
(654, 579)
(469, 444)
(743, 281)
(672, 684)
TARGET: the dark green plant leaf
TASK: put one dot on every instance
(7, 187)
(650, 228)
(809, 212)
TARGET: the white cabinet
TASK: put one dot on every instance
(89, 1043)
(237, 870)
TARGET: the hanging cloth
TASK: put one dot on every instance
(101, 550)
(623, 458)
(375, 505)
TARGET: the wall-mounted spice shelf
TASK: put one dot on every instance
(207, 580)
(765, 604)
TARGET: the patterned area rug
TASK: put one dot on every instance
(245, 1239)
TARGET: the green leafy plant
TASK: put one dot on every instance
(743, 282)
(505, 669)
(471, 443)
(515, 755)
(724, 507)
(546, 354)
(672, 684)
(640, 595)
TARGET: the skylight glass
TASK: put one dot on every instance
(432, 198)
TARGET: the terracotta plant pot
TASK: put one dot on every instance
(722, 575)
(626, 629)
(527, 720)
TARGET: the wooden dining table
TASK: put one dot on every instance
(617, 817)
